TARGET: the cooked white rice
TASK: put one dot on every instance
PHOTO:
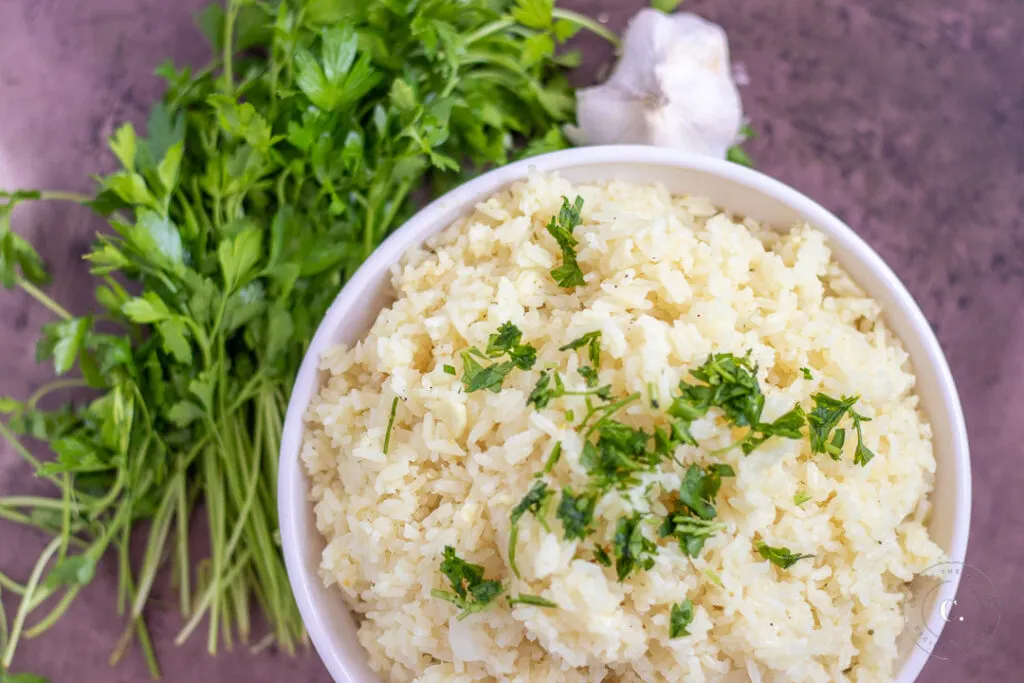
(669, 280)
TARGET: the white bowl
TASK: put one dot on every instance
(728, 185)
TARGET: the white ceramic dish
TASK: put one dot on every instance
(728, 185)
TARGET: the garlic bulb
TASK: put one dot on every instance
(672, 87)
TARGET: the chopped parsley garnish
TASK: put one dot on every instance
(504, 342)
(551, 386)
(806, 373)
(691, 532)
(699, 488)
(449, 369)
(576, 512)
(801, 497)
(730, 383)
(780, 557)
(560, 227)
(788, 426)
(679, 618)
(825, 433)
(631, 548)
(714, 577)
(862, 455)
(601, 556)
(592, 340)
(589, 375)
(470, 591)
(391, 424)
(690, 524)
(535, 600)
(542, 392)
(556, 454)
(823, 420)
(535, 502)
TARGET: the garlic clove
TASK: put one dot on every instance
(672, 87)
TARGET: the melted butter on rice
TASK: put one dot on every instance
(670, 279)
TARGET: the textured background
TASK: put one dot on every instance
(906, 119)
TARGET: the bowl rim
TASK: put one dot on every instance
(292, 488)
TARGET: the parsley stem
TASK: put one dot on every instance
(229, 47)
(487, 29)
(606, 412)
(41, 297)
(56, 385)
(10, 584)
(61, 196)
(589, 24)
(26, 601)
(15, 444)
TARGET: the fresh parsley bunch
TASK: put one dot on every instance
(263, 182)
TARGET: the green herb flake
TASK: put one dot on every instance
(801, 497)
(823, 420)
(576, 512)
(470, 591)
(391, 424)
(535, 502)
(862, 455)
(806, 372)
(449, 370)
(680, 617)
(591, 340)
(553, 458)
(601, 556)
(560, 227)
(504, 342)
(632, 550)
(780, 557)
(714, 577)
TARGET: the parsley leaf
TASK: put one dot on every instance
(729, 383)
(535, 502)
(568, 274)
(631, 548)
(699, 488)
(780, 557)
(862, 455)
(620, 452)
(788, 426)
(576, 512)
(550, 386)
(801, 497)
(592, 340)
(691, 524)
(806, 373)
(601, 556)
(503, 342)
(823, 420)
(476, 376)
(449, 369)
(470, 591)
(679, 618)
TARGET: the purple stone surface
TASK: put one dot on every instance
(906, 119)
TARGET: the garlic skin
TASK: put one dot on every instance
(673, 87)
